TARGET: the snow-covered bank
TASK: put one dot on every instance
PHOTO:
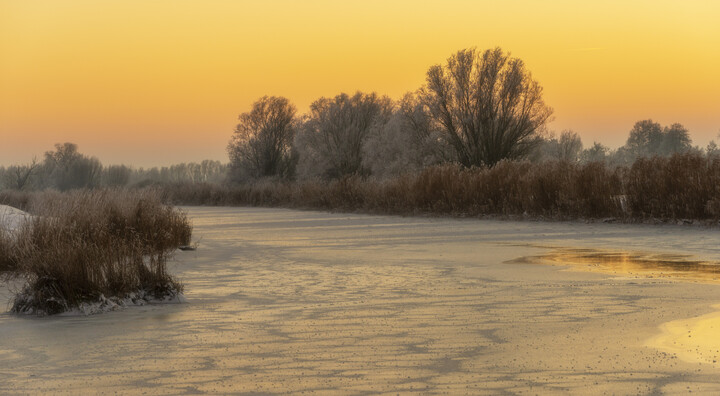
(23, 303)
(113, 303)
(11, 219)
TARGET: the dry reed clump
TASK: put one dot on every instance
(598, 191)
(15, 198)
(86, 246)
(684, 186)
(8, 260)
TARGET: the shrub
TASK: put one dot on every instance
(86, 246)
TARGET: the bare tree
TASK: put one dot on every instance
(63, 156)
(569, 146)
(408, 142)
(488, 106)
(712, 150)
(648, 138)
(331, 141)
(19, 176)
(645, 139)
(212, 171)
(676, 139)
(67, 169)
(262, 143)
(595, 153)
(116, 175)
(208, 171)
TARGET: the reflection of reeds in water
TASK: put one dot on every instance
(87, 245)
(650, 265)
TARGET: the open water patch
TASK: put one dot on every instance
(641, 264)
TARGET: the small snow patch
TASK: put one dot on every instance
(11, 219)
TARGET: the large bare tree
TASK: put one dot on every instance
(488, 106)
(262, 143)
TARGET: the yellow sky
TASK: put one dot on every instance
(153, 82)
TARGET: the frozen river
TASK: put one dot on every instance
(283, 301)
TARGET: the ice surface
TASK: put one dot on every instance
(293, 301)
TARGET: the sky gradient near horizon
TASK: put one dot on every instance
(157, 82)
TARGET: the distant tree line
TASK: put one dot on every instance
(65, 168)
(476, 110)
(646, 139)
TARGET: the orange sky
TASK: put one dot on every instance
(153, 82)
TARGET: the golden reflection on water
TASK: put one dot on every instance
(692, 339)
(651, 265)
